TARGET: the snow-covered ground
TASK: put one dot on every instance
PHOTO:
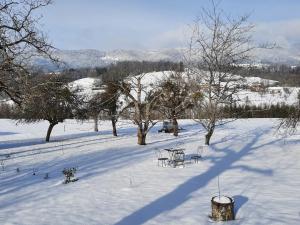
(272, 96)
(120, 182)
(87, 86)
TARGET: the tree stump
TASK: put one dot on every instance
(222, 208)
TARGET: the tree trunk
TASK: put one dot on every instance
(222, 208)
(175, 126)
(113, 122)
(208, 136)
(141, 137)
(49, 131)
(96, 124)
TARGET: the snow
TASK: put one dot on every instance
(110, 58)
(153, 78)
(6, 101)
(85, 83)
(86, 86)
(254, 65)
(258, 80)
(272, 96)
(222, 199)
(148, 82)
(120, 182)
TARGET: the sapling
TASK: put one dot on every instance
(219, 190)
(69, 174)
(2, 164)
(46, 176)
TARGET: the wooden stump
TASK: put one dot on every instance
(222, 208)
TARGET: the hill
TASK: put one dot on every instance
(96, 58)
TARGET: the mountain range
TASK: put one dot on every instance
(97, 58)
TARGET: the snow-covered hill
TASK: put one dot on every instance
(271, 96)
(251, 95)
(88, 87)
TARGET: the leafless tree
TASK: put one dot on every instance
(112, 105)
(20, 40)
(94, 108)
(141, 101)
(50, 99)
(218, 44)
(290, 123)
(175, 97)
(105, 104)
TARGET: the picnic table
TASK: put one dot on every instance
(177, 156)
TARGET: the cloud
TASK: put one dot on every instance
(283, 33)
(173, 38)
(105, 25)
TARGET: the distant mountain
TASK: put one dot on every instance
(96, 58)
(277, 55)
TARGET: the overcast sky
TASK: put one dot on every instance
(155, 24)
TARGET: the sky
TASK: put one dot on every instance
(156, 24)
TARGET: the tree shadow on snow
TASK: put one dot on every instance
(239, 201)
(89, 164)
(4, 133)
(63, 145)
(37, 141)
(184, 191)
(60, 138)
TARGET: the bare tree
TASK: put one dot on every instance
(20, 40)
(291, 122)
(105, 103)
(174, 98)
(94, 108)
(218, 44)
(91, 107)
(51, 100)
(141, 101)
(108, 103)
(111, 102)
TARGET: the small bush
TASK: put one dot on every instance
(46, 176)
(69, 174)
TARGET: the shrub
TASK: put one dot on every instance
(69, 174)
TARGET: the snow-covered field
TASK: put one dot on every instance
(120, 182)
(272, 96)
